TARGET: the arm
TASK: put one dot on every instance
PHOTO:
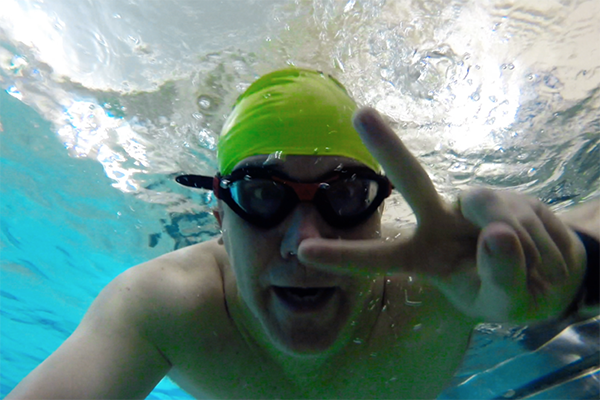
(584, 218)
(108, 355)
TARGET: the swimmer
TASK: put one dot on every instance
(301, 297)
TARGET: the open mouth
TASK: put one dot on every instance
(304, 299)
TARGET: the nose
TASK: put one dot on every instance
(303, 223)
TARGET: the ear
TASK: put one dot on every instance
(218, 213)
(381, 207)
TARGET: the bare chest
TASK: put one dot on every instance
(412, 353)
(397, 372)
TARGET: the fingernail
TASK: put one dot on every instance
(487, 248)
(501, 245)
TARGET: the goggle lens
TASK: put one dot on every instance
(264, 197)
(258, 196)
(343, 198)
(350, 197)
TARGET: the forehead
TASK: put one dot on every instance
(300, 167)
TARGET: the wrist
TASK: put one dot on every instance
(588, 294)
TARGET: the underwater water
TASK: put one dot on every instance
(104, 102)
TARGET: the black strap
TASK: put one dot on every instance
(197, 181)
(591, 283)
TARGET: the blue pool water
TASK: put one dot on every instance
(61, 229)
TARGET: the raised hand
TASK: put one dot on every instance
(496, 255)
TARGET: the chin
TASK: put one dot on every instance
(305, 343)
(310, 337)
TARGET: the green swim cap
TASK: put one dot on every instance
(295, 112)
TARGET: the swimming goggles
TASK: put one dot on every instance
(265, 197)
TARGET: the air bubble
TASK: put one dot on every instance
(205, 102)
(409, 302)
(276, 156)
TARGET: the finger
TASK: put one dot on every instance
(401, 167)
(532, 231)
(552, 265)
(564, 240)
(500, 257)
(356, 256)
(502, 270)
(483, 207)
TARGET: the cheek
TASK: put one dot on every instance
(250, 249)
(240, 233)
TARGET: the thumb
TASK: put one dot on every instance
(503, 294)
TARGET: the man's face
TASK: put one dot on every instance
(302, 309)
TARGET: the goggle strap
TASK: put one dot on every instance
(196, 181)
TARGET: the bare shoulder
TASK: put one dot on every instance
(168, 293)
(192, 270)
(135, 329)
